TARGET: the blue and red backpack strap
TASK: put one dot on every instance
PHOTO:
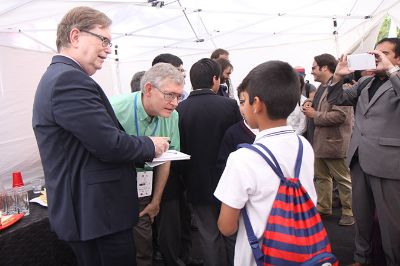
(253, 240)
(275, 166)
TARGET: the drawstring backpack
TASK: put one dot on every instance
(294, 234)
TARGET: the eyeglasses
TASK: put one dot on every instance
(105, 41)
(170, 96)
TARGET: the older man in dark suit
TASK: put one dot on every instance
(203, 120)
(88, 160)
(374, 152)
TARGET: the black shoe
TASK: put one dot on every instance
(190, 261)
(158, 257)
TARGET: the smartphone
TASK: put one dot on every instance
(361, 61)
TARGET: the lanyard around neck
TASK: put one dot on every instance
(137, 121)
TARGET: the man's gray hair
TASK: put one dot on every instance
(161, 72)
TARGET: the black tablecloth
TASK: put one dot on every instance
(30, 242)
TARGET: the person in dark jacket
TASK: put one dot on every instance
(203, 119)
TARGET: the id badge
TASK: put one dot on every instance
(144, 183)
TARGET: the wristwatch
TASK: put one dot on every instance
(392, 70)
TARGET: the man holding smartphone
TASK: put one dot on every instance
(374, 152)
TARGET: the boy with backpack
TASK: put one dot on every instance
(249, 183)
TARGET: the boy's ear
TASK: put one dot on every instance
(258, 105)
(215, 85)
(215, 79)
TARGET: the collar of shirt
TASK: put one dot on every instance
(202, 91)
(274, 132)
(71, 59)
(253, 130)
(142, 116)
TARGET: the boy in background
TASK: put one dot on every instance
(236, 134)
(248, 181)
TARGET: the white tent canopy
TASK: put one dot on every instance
(252, 31)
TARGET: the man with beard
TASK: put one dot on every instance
(225, 88)
(329, 131)
(374, 152)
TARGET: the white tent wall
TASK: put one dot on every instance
(20, 72)
(253, 32)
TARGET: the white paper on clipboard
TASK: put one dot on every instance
(170, 155)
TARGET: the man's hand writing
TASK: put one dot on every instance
(160, 144)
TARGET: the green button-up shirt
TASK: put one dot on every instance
(124, 108)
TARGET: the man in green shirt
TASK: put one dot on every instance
(151, 112)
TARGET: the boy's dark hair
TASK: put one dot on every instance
(135, 82)
(395, 41)
(276, 84)
(167, 58)
(202, 73)
(218, 52)
(242, 86)
(326, 60)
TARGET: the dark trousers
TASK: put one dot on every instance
(372, 195)
(174, 239)
(212, 242)
(117, 249)
(143, 235)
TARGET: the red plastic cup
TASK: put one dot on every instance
(17, 179)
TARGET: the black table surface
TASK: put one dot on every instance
(31, 242)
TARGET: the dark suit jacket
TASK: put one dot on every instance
(234, 135)
(376, 133)
(87, 159)
(203, 119)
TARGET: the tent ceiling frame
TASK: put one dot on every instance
(37, 41)
(16, 6)
(265, 16)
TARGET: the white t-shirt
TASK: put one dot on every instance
(249, 181)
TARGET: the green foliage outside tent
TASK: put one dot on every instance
(384, 31)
